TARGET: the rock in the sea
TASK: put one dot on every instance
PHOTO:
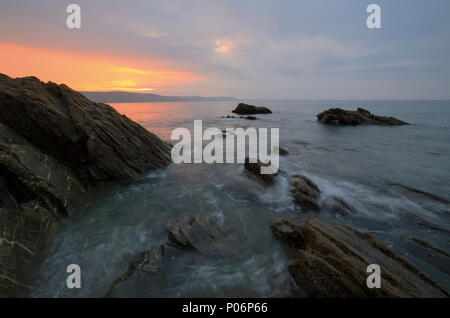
(305, 193)
(250, 118)
(255, 169)
(331, 261)
(282, 151)
(246, 109)
(341, 117)
(152, 272)
(197, 234)
(337, 205)
(55, 144)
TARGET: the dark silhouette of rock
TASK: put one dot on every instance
(341, 117)
(255, 169)
(250, 118)
(331, 261)
(282, 151)
(55, 145)
(305, 192)
(246, 109)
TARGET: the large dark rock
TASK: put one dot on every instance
(341, 117)
(331, 261)
(55, 144)
(246, 109)
(254, 168)
(305, 193)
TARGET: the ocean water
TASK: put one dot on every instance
(397, 178)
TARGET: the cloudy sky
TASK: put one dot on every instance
(278, 49)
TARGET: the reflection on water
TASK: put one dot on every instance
(362, 165)
(162, 118)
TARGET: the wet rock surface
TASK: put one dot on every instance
(152, 272)
(305, 192)
(331, 261)
(55, 145)
(341, 117)
(254, 168)
(246, 109)
(337, 205)
(432, 255)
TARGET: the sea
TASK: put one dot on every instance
(397, 179)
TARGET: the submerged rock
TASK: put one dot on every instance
(255, 169)
(282, 151)
(428, 253)
(246, 109)
(332, 261)
(250, 118)
(55, 145)
(151, 273)
(341, 117)
(305, 192)
(337, 205)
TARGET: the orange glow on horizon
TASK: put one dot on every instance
(84, 72)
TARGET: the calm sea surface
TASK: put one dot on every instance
(373, 168)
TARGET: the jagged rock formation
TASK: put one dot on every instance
(305, 192)
(153, 272)
(246, 109)
(55, 144)
(331, 261)
(341, 117)
(254, 168)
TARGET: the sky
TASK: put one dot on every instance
(256, 49)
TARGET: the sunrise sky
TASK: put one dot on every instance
(247, 49)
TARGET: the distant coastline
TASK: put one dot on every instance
(128, 97)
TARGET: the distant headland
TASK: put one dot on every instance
(128, 97)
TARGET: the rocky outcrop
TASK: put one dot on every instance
(246, 109)
(55, 145)
(255, 169)
(305, 193)
(151, 273)
(341, 117)
(331, 261)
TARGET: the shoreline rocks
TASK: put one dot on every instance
(150, 272)
(331, 261)
(55, 145)
(305, 193)
(255, 169)
(341, 117)
(246, 109)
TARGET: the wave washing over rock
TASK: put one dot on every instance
(55, 146)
